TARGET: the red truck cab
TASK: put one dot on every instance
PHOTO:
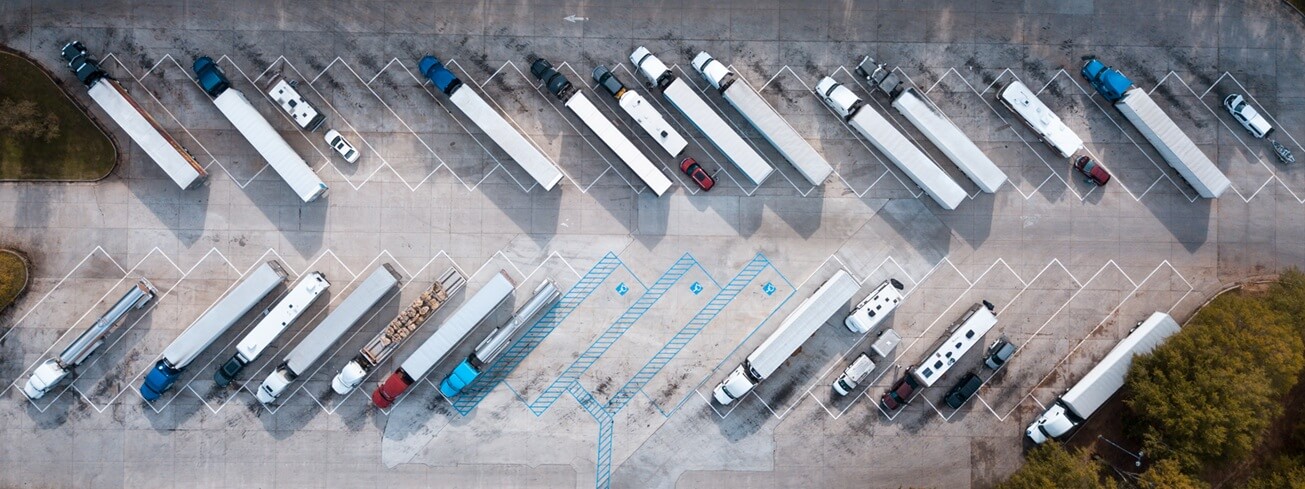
(391, 389)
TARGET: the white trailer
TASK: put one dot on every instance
(282, 315)
(1037, 116)
(399, 329)
(312, 347)
(962, 335)
(255, 128)
(689, 103)
(166, 152)
(643, 113)
(56, 369)
(456, 328)
(925, 116)
(796, 329)
(764, 118)
(891, 143)
(1173, 144)
(215, 321)
(607, 132)
(1103, 381)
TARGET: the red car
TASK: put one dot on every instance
(900, 393)
(1094, 172)
(695, 172)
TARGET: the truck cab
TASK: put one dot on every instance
(210, 77)
(652, 68)
(443, 79)
(45, 377)
(1109, 82)
(391, 389)
(555, 82)
(838, 97)
(716, 73)
(159, 380)
(738, 384)
(274, 385)
(1054, 423)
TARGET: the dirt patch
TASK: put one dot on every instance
(14, 274)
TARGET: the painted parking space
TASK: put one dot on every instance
(367, 123)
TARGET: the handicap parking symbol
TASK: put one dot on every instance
(769, 288)
(621, 288)
(695, 288)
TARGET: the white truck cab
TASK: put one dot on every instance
(1052, 424)
(838, 97)
(735, 386)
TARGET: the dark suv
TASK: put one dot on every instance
(963, 390)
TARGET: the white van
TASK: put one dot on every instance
(855, 373)
(872, 310)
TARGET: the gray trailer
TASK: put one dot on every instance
(1173, 144)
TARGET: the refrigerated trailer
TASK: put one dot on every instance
(689, 103)
(282, 315)
(399, 329)
(492, 123)
(496, 343)
(764, 118)
(796, 329)
(888, 140)
(607, 132)
(56, 369)
(1164, 135)
(166, 152)
(925, 116)
(456, 328)
(1037, 116)
(363, 298)
(254, 127)
(643, 113)
(215, 321)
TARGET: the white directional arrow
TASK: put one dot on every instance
(574, 18)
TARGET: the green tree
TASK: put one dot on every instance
(1285, 473)
(1168, 474)
(1050, 465)
(1288, 297)
(1208, 394)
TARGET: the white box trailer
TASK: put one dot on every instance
(688, 102)
(1103, 381)
(209, 326)
(796, 329)
(643, 113)
(282, 315)
(1173, 144)
(891, 143)
(363, 298)
(1037, 116)
(961, 336)
(813, 167)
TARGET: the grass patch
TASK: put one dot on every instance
(13, 277)
(81, 151)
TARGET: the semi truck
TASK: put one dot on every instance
(1168, 139)
(363, 298)
(813, 167)
(796, 329)
(643, 113)
(607, 132)
(54, 370)
(281, 316)
(962, 335)
(688, 102)
(530, 158)
(460, 324)
(872, 126)
(255, 128)
(380, 347)
(1078, 403)
(166, 152)
(925, 116)
(215, 321)
(1037, 116)
(496, 343)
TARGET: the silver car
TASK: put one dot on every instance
(1247, 115)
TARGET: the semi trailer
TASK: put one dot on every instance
(796, 329)
(1037, 116)
(166, 152)
(54, 370)
(312, 347)
(492, 123)
(1164, 135)
(872, 126)
(281, 316)
(496, 343)
(215, 321)
(925, 116)
(573, 99)
(643, 113)
(460, 324)
(255, 128)
(380, 347)
(688, 102)
(813, 167)
(1078, 403)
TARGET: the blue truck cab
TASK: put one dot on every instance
(443, 79)
(1109, 82)
(462, 376)
(159, 380)
(210, 77)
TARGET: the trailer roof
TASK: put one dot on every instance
(1108, 375)
(269, 143)
(527, 156)
(1024, 103)
(243, 297)
(619, 144)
